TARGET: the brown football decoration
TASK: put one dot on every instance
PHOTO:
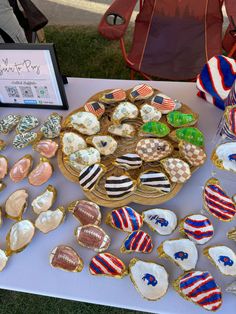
(86, 212)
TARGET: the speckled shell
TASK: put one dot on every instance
(119, 186)
(27, 123)
(95, 108)
(164, 103)
(140, 92)
(224, 156)
(157, 180)
(16, 204)
(123, 130)
(150, 279)
(65, 258)
(190, 135)
(3, 259)
(22, 140)
(85, 123)
(21, 168)
(46, 148)
(178, 119)
(163, 221)
(193, 154)
(3, 144)
(128, 161)
(44, 201)
(223, 258)
(52, 126)
(182, 252)
(113, 96)
(105, 144)
(138, 241)
(154, 128)
(150, 113)
(153, 149)
(90, 175)
(204, 292)
(125, 110)
(50, 220)
(8, 123)
(71, 142)
(83, 158)
(41, 173)
(3, 167)
(86, 212)
(178, 170)
(107, 264)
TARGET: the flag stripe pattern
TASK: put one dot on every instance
(156, 180)
(142, 91)
(129, 161)
(198, 228)
(226, 132)
(126, 219)
(95, 107)
(232, 120)
(138, 241)
(107, 264)
(89, 176)
(117, 187)
(163, 103)
(115, 95)
(201, 288)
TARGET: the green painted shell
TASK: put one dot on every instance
(190, 135)
(178, 119)
(158, 129)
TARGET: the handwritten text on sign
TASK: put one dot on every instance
(18, 67)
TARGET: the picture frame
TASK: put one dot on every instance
(30, 77)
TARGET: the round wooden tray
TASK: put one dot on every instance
(140, 195)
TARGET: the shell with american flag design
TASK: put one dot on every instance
(107, 264)
(200, 288)
(217, 202)
(141, 92)
(138, 241)
(113, 96)
(164, 103)
(95, 107)
(125, 219)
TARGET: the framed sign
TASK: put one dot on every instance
(30, 77)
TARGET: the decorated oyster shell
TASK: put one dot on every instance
(149, 113)
(123, 130)
(83, 158)
(217, 202)
(182, 252)
(113, 96)
(65, 258)
(72, 142)
(89, 176)
(3, 167)
(157, 180)
(50, 220)
(19, 236)
(190, 135)
(92, 237)
(44, 201)
(223, 257)
(95, 108)
(138, 241)
(3, 259)
(163, 221)
(2, 186)
(1, 218)
(47, 148)
(164, 103)
(16, 204)
(193, 154)
(178, 170)
(154, 128)
(225, 133)
(125, 110)
(140, 92)
(230, 117)
(84, 122)
(22, 140)
(232, 234)
(153, 149)
(107, 264)
(119, 186)
(128, 161)
(27, 123)
(224, 156)
(21, 168)
(52, 126)
(86, 212)
(179, 119)
(8, 123)
(204, 292)
(198, 228)
(3, 144)
(105, 144)
(232, 287)
(42, 173)
(124, 219)
(150, 279)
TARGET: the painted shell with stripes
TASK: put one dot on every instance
(164, 103)
(119, 186)
(193, 154)
(125, 110)
(65, 258)
(150, 279)
(197, 228)
(141, 92)
(113, 96)
(222, 257)
(200, 288)
(90, 176)
(182, 252)
(86, 212)
(226, 133)
(27, 123)
(128, 161)
(230, 117)
(155, 180)
(178, 170)
(153, 149)
(107, 264)
(224, 156)
(217, 202)
(163, 221)
(92, 237)
(95, 107)
(138, 241)
(125, 219)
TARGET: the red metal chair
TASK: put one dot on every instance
(172, 39)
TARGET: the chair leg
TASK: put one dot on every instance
(132, 74)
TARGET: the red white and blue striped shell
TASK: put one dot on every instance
(217, 202)
(137, 241)
(107, 264)
(230, 115)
